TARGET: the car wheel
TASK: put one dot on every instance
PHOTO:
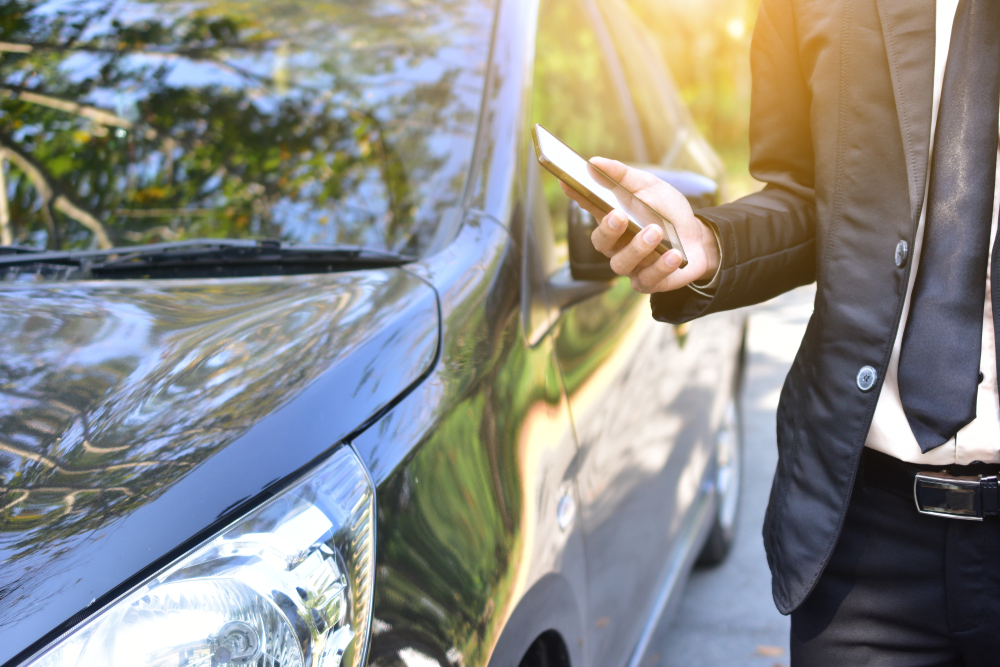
(728, 483)
(546, 651)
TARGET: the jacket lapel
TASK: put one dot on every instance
(908, 27)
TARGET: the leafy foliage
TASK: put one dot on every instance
(707, 45)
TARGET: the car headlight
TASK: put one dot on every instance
(289, 585)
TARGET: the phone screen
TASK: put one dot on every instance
(600, 189)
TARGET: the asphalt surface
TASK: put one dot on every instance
(726, 617)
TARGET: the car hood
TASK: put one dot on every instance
(135, 415)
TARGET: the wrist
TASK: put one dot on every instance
(713, 254)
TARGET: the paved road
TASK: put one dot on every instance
(726, 617)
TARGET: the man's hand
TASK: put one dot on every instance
(636, 259)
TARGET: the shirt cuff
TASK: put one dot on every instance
(707, 289)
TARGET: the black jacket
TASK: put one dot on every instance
(840, 129)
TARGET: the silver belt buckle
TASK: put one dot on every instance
(952, 497)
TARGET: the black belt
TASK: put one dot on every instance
(956, 492)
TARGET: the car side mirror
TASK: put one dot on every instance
(586, 263)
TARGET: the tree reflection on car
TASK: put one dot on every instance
(238, 120)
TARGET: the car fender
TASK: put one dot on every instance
(549, 605)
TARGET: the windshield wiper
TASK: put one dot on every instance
(196, 258)
(18, 250)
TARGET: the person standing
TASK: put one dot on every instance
(874, 126)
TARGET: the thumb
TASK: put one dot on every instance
(612, 168)
(632, 179)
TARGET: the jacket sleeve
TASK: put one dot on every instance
(768, 238)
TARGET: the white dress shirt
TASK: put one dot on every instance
(890, 432)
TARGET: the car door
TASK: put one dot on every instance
(639, 403)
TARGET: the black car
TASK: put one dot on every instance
(303, 361)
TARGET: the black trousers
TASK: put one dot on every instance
(903, 589)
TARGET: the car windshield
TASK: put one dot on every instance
(333, 122)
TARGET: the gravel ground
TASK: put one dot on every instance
(726, 617)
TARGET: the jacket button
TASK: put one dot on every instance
(866, 378)
(902, 252)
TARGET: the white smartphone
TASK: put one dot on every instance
(601, 190)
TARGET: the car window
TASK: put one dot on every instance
(575, 97)
(326, 122)
(648, 79)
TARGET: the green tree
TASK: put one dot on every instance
(707, 45)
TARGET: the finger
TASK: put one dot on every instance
(647, 279)
(644, 186)
(584, 203)
(639, 248)
(630, 178)
(607, 238)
